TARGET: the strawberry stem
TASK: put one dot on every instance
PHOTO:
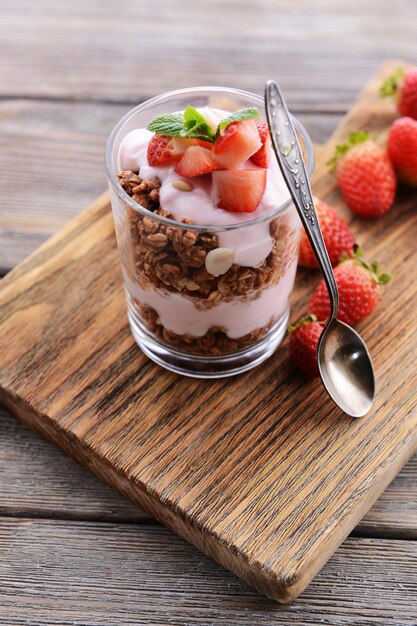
(341, 149)
(305, 319)
(373, 268)
(390, 85)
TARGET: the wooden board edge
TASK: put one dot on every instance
(335, 539)
(386, 69)
(74, 226)
(266, 583)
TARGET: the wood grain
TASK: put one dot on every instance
(39, 481)
(121, 52)
(261, 472)
(49, 578)
(51, 166)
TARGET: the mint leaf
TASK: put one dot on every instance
(169, 124)
(196, 126)
(237, 116)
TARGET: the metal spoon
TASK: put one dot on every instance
(343, 360)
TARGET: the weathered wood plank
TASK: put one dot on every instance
(261, 472)
(39, 481)
(128, 50)
(52, 166)
(80, 573)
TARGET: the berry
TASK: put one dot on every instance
(403, 86)
(359, 285)
(162, 149)
(262, 157)
(365, 175)
(304, 338)
(236, 143)
(196, 161)
(239, 190)
(402, 149)
(336, 235)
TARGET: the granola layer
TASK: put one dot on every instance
(172, 260)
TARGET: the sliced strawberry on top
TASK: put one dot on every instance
(196, 161)
(262, 157)
(162, 149)
(205, 144)
(239, 190)
(236, 143)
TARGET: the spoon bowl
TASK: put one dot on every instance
(345, 368)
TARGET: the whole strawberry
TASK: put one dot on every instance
(304, 337)
(359, 284)
(403, 86)
(336, 235)
(365, 175)
(402, 149)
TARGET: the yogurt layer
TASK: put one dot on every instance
(252, 244)
(238, 317)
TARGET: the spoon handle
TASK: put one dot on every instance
(290, 160)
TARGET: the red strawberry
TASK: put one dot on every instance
(402, 149)
(365, 175)
(262, 157)
(336, 235)
(304, 337)
(359, 285)
(239, 190)
(196, 161)
(162, 149)
(403, 85)
(236, 143)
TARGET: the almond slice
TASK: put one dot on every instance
(219, 260)
(182, 185)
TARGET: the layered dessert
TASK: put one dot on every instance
(205, 269)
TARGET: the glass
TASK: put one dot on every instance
(203, 300)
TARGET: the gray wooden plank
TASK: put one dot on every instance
(71, 573)
(52, 166)
(39, 481)
(322, 52)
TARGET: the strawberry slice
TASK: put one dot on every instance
(205, 144)
(162, 149)
(196, 161)
(239, 190)
(236, 143)
(262, 157)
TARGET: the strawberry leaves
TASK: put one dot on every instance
(341, 149)
(192, 124)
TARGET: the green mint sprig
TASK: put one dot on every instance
(196, 127)
(192, 125)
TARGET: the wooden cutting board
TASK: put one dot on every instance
(261, 472)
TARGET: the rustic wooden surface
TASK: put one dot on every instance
(53, 111)
(218, 468)
(48, 574)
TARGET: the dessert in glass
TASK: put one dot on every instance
(207, 233)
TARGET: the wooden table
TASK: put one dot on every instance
(72, 550)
